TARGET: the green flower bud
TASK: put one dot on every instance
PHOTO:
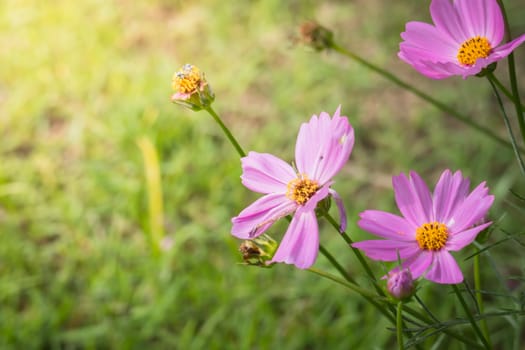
(258, 250)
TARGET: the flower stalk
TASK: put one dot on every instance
(512, 75)
(479, 295)
(473, 323)
(515, 147)
(399, 325)
(424, 96)
(226, 131)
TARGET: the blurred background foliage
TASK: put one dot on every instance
(81, 82)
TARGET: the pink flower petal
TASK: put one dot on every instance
(458, 241)
(483, 18)
(387, 250)
(446, 18)
(300, 244)
(426, 42)
(450, 192)
(265, 173)
(323, 146)
(260, 215)
(506, 49)
(430, 68)
(387, 225)
(473, 209)
(307, 145)
(413, 198)
(444, 269)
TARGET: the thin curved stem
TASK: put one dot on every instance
(349, 241)
(420, 302)
(226, 131)
(515, 146)
(479, 296)
(440, 105)
(512, 75)
(336, 264)
(370, 297)
(356, 252)
(359, 257)
(506, 91)
(470, 317)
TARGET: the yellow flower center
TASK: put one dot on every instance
(432, 236)
(301, 189)
(187, 79)
(472, 49)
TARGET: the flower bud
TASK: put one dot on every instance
(400, 284)
(191, 88)
(258, 251)
(315, 36)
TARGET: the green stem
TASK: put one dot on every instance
(399, 325)
(515, 147)
(370, 297)
(336, 264)
(470, 317)
(361, 259)
(363, 292)
(420, 302)
(479, 296)
(512, 75)
(440, 105)
(226, 131)
(356, 251)
(505, 91)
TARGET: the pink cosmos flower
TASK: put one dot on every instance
(463, 41)
(432, 225)
(323, 147)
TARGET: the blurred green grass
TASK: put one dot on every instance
(81, 82)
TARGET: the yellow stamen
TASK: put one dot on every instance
(472, 49)
(301, 189)
(187, 80)
(432, 236)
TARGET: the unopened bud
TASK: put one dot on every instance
(191, 88)
(400, 284)
(315, 36)
(258, 251)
